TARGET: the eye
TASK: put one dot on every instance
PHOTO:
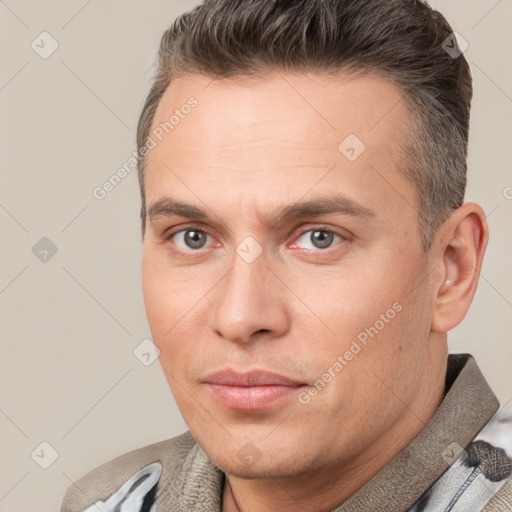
(189, 239)
(318, 239)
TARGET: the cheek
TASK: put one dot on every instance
(174, 311)
(347, 302)
(154, 297)
(368, 310)
(162, 308)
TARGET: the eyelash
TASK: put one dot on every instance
(169, 236)
(344, 238)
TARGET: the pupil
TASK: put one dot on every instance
(322, 239)
(194, 240)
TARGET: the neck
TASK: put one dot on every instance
(324, 491)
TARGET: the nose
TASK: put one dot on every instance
(249, 302)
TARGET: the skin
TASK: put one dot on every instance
(248, 148)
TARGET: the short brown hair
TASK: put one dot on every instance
(404, 40)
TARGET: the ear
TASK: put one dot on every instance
(460, 248)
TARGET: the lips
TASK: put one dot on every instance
(252, 378)
(250, 391)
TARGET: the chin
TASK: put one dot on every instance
(250, 463)
(260, 470)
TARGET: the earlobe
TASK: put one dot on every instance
(462, 242)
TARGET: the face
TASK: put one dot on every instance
(282, 238)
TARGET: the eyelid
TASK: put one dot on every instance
(343, 234)
(169, 233)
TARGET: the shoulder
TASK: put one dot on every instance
(100, 483)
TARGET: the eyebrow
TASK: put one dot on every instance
(167, 207)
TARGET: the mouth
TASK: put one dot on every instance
(251, 391)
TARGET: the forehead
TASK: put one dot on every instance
(283, 107)
(255, 139)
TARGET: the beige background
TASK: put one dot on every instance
(68, 375)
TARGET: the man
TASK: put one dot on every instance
(306, 249)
